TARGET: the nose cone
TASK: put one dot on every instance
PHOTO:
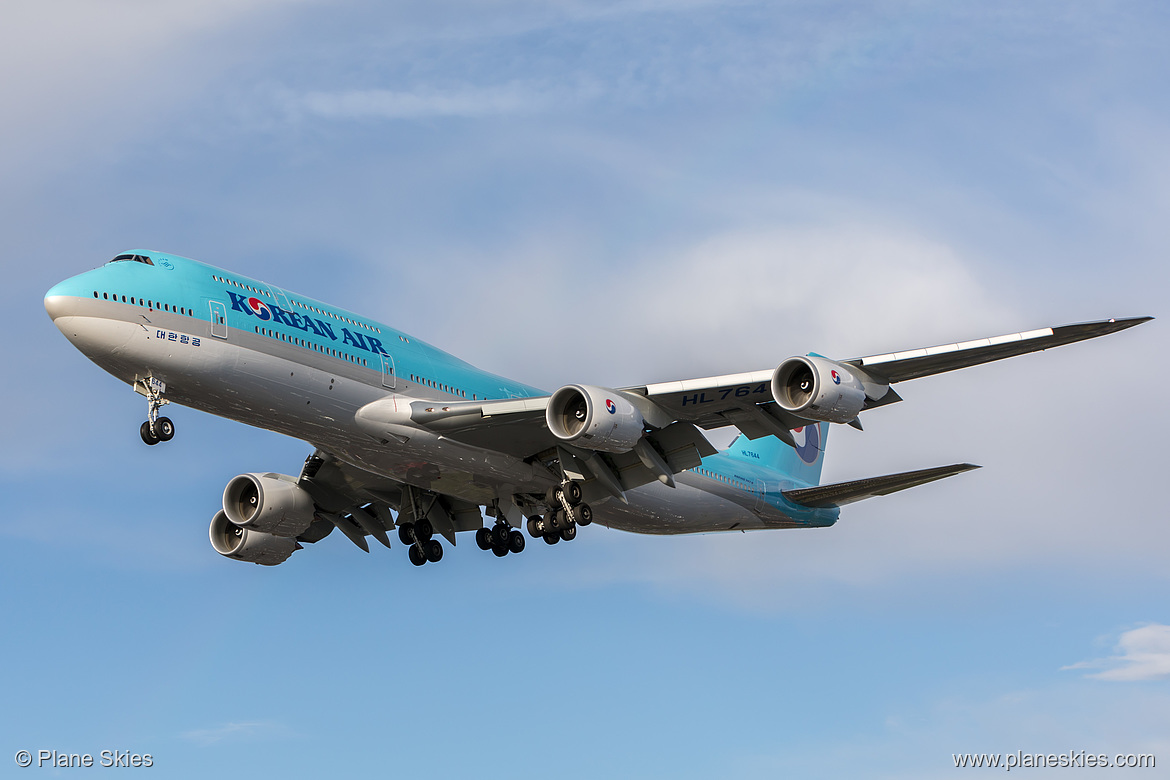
(58, 299)
(71, 306)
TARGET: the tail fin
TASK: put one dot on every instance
(803, 464)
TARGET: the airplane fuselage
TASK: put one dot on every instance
(251, 352)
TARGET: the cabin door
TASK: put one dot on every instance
(218, 320)
(387, 371)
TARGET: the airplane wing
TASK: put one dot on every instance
(912, 364)
(746, 400)
(843, 493)
(814, 389)
(518, 427)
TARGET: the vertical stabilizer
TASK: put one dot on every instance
(802, 463)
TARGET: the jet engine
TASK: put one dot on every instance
(595, 418)
(818, 389)
(242, 544)
(268, 503)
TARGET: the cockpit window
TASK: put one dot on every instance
(135, 258)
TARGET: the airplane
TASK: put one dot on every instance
(410, 439)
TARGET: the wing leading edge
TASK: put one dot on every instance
(912, 364)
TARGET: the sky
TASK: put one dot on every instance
(610, 193)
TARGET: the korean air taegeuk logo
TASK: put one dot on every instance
(259, 308)
(808, 442)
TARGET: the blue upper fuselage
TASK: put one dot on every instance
(156, 280)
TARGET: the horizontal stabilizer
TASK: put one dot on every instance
(843, 493)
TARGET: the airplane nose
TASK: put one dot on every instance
(57, 302)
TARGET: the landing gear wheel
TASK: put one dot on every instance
(584, 515)
(535, 526)
(569, 534)
(499, 552)
(556, 521)
(551, 538)
(572, 491)
(406, 533)
(417, 557)
(516, 542)
(483, 539)
(500, 534)
(434, 551)
(423, 530)
(147, 435)
(164, 429)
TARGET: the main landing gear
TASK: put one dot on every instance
(423, 548)
(568, 511)
(156, 428)
(501, 539)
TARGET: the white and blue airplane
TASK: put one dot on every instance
(410, 439)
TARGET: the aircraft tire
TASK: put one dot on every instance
(551, 538)
(516, 542)
(500, 534)
(584, 515)
(569, 534)
(148, 437)
(164, 429)
(416, 555)
(483, 539)
(406, 533)
(498, 551)
(423, 530)
(572, 491)
(434, 551)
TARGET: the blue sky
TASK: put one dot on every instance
(612, 193)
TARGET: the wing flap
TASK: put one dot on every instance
(842, 493)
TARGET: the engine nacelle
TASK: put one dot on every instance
(269, 503)
(242, 544)
(595, 418)
(815, 388)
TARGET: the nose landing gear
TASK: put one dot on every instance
(163, 430)
(156, 428)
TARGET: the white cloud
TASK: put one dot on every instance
(846, 283)
(1142, 654)
(740, 299)
(77, 71)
